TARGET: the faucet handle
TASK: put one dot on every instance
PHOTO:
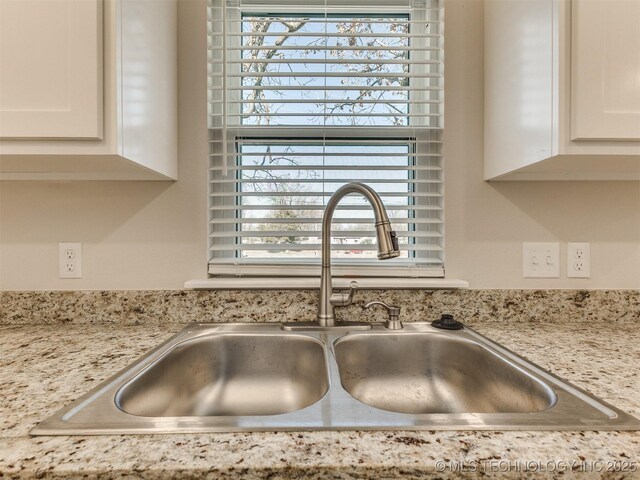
(394, 312)
(344, 299)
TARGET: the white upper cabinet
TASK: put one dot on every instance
(562, 90)
(605, 70)
(63, 98)
(88, 90)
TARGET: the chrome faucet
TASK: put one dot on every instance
(387, 248)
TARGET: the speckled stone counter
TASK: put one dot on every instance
(43, 367)
(138, 307)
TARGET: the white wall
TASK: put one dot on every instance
(153, 235)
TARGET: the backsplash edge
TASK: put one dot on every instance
(135, 307)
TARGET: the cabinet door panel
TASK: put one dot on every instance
(51, 69)
(605, 73)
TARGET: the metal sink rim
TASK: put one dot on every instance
(95, 413)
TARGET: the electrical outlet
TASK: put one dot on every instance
(70, 260)
(540, 260)
(578, 260)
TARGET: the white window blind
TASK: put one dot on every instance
(306, 96)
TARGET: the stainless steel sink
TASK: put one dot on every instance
(257, 377)
(435, 373)
(230, 374)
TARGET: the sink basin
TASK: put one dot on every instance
(426, 373)
(258, 377)
(232, 374)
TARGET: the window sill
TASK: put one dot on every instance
(310, 283)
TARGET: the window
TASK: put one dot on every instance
(305, 97)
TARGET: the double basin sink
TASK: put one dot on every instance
(258, 377)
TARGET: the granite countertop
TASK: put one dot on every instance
(43, 367)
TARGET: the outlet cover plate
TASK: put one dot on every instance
(541, 260)
(70, 260)
(578, 260)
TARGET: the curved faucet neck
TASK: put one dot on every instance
(367, 192)
(387, 247)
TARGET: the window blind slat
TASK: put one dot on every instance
(322, 21)
(302, 101)
(318, 221)
(316, 247)
(338, 35)
(320, 48)
(312, 233)
(342, 63)
(342, 155)
(321, 194)
(324, 167)
(297, 268)
(327, 181)
(332, 88)
(335, 141)
(390, 208)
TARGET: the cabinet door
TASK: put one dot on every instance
(605, 70)
(51, 69)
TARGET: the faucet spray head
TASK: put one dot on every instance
(387, 241)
